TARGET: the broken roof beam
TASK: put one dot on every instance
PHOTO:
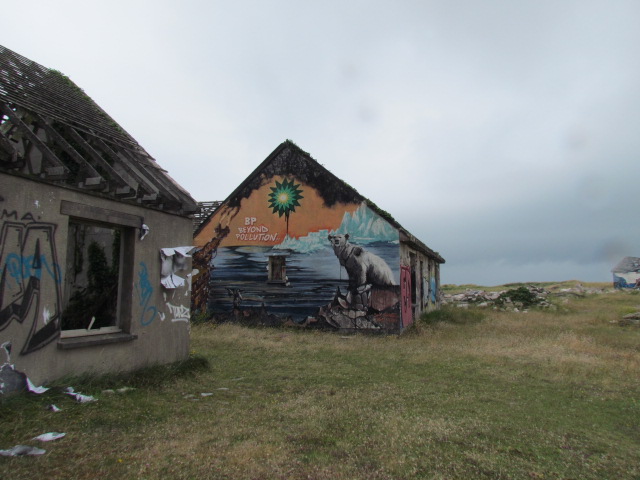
(145, 187)
(57, 170)
(155, 173)
(93, 179)
(121, 187)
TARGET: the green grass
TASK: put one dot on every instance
(463, 394)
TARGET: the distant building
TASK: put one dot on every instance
(626, 274)
(90, 279)
(295, 244)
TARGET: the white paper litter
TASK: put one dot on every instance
(20, 450)
(53, 408)
(206, 394)
(33, 389)
(47, 437)
(80, 398)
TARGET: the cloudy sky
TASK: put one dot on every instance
(504, 134)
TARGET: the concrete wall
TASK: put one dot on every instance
(153, 321)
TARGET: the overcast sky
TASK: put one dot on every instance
(503, 134)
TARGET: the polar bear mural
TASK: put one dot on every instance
(363, 267)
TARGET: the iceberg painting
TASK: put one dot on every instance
(364, 226)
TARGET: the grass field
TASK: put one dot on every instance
(464, 394)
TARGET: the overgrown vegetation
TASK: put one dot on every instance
(469, 394)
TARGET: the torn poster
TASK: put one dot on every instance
(174, 260)
(144, 231)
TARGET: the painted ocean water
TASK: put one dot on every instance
(313, 278)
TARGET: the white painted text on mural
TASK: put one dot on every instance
(252, 232)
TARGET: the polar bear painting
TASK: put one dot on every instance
(363, 267)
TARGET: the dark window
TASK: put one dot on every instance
(92, 279)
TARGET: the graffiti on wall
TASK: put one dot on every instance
(173, 262)
(30, 279)
(144, 292)
(332, 266)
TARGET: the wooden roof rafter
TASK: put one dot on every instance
(149, 168)
(92, 179)
(117, 183)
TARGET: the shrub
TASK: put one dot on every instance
(521, 295)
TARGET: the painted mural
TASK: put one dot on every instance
(289, 252)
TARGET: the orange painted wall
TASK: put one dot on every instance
(258, 225)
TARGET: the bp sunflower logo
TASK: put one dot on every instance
(283, 199)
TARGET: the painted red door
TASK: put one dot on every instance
(405, 292)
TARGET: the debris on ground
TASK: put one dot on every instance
(48, 437)
(80, 398)
(20, 450)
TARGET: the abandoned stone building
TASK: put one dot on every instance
(295, 244)
(95, 237)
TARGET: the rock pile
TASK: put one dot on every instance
(516, 299)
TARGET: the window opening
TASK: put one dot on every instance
(277, 269)
(92, 280)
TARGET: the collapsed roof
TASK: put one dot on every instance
(52, 131)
